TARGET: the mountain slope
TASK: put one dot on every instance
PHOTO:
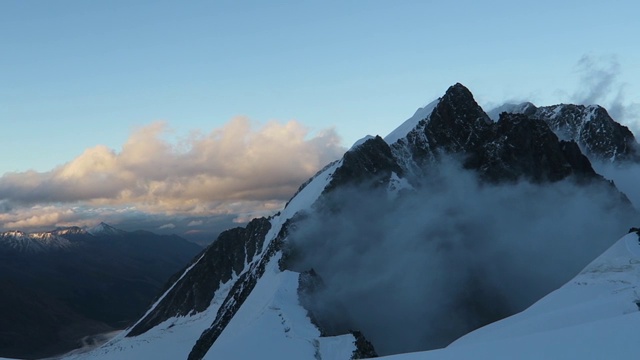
(65, 284)
(599, 136)
(435, 211)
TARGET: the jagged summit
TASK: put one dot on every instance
(70, 230)
(598, 135)
(62, 238)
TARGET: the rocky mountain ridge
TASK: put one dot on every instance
(599, 136)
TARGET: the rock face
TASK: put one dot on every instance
(224, 259)
(599, 136)
(517, 147)
(370, 162)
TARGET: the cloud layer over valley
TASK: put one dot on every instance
(239, 170)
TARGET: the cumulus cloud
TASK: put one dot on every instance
(241, 168)
(600, 84)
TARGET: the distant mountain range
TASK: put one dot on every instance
(62, 285)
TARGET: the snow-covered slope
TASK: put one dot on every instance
(596, 315)
(32, 242)
(410, 124)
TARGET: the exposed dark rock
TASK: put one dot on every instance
(513, 148)
(593, 129)
(309, 282)
(241, 289)
(456, 125)
(364, 348)
(518, 147)
(228, 255)
(371, 162)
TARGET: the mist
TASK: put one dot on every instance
(418, 271)
(626, 177)
(600, 83)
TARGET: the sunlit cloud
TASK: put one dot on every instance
(241, 169)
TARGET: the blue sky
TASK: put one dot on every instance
(78, 74)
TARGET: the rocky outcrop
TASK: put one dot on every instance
(371, 162)
(598, 135)
(593, 129)
(227, 256)
(518, 147)
(456, 125)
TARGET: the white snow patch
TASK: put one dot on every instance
(402, 130)
(271, 324)
(337, 347)
(396, 184)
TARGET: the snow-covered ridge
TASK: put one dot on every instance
(410, 124)
(32, 242)
(60, 238)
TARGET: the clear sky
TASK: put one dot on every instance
(78, 76)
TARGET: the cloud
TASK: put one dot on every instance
(600, 84)
(240, 168)
(416, 272)
(195, 223)
(167, 226)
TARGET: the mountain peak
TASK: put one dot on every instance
(458, 91)
(104, 229)
(69, 230)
